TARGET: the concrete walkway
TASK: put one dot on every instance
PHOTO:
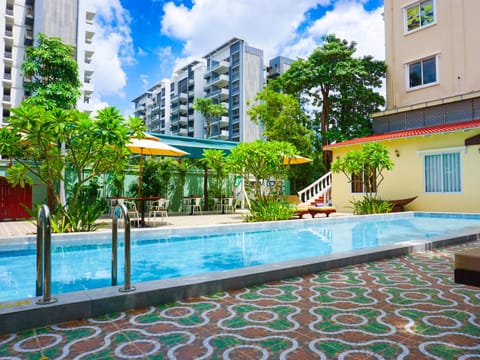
(28, 227)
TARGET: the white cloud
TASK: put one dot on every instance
(349, 20)
(113, 48)
(268, 25)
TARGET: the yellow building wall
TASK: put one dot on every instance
(407, 178)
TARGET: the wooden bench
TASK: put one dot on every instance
(467, 267)
(314, 210)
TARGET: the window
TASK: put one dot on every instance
(419, 15)
(422, 72)
(442, 173)
(361, 184)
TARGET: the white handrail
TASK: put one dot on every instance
(321, 187)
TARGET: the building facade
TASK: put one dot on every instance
(21, 21)
(431, 125)
(231, 75)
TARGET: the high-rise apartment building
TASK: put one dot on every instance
(21, 21)
(231, 75)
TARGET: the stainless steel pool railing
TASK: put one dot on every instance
(44, 257)
(121, 209)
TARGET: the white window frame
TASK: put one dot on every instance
(457, 150)
(422, 85)
(420, 27)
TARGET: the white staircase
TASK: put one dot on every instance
(319, 192)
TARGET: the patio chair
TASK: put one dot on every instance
(132, 211)
(228, 205)
(158, 208)
(197, 205)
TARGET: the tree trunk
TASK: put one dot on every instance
(205, 189)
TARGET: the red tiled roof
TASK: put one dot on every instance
(410, 133)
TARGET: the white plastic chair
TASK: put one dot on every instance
(132, 211)
(158, 207)
(228, 205)
(196, 206)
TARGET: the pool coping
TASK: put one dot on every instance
(25, 314)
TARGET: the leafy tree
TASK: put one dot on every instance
(371, 162)
(284, 120)
(263, 162)
(157, 173)
(216, 160)
(341, 86)
(209, 111)
(93, 146)
(53, 71)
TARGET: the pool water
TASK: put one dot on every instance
(79, 265)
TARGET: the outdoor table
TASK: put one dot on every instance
(190, 201)
(141, 201)
(223, 201)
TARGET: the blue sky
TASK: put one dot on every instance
(140, 42)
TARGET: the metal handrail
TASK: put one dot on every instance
(44, 258)
(121, 209)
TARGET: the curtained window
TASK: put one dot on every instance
(443, 173)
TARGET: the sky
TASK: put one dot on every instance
(140, 42)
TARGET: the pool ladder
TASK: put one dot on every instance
(121, 209)
(44, 257)
(44, 253)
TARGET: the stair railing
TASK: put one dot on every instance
(121, 209)
(320, 187)
(44, 257)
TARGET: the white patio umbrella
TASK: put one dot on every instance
(151, 145)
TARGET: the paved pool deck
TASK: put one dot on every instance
(406, 307)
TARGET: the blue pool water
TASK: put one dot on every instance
(85, 264)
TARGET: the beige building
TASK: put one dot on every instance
(431, 125)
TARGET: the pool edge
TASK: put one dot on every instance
(23, 314)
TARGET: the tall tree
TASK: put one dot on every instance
(209, 110)
(53, 73)
(340, 86)
(283, 119)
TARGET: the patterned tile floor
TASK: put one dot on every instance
(402, 308)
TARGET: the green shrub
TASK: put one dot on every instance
(269, 210)
(371, 205)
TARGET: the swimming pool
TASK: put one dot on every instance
(82, 261)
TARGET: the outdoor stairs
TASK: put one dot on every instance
(317, 193)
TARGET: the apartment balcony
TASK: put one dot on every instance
(183, 132)
(89, 17)
(220, 81)
(7, 78)
(7, 56)
(9, 14)
(183, 120)
(183, 109)
(6, 99)
(89, 37)
(88, 56)
(8, 34)
(220, 67)
(224, 121)
(191, 82)
(183, 97)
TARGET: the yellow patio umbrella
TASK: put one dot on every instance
(151, 145)
(295, 160)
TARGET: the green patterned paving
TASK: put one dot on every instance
(402, 308)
